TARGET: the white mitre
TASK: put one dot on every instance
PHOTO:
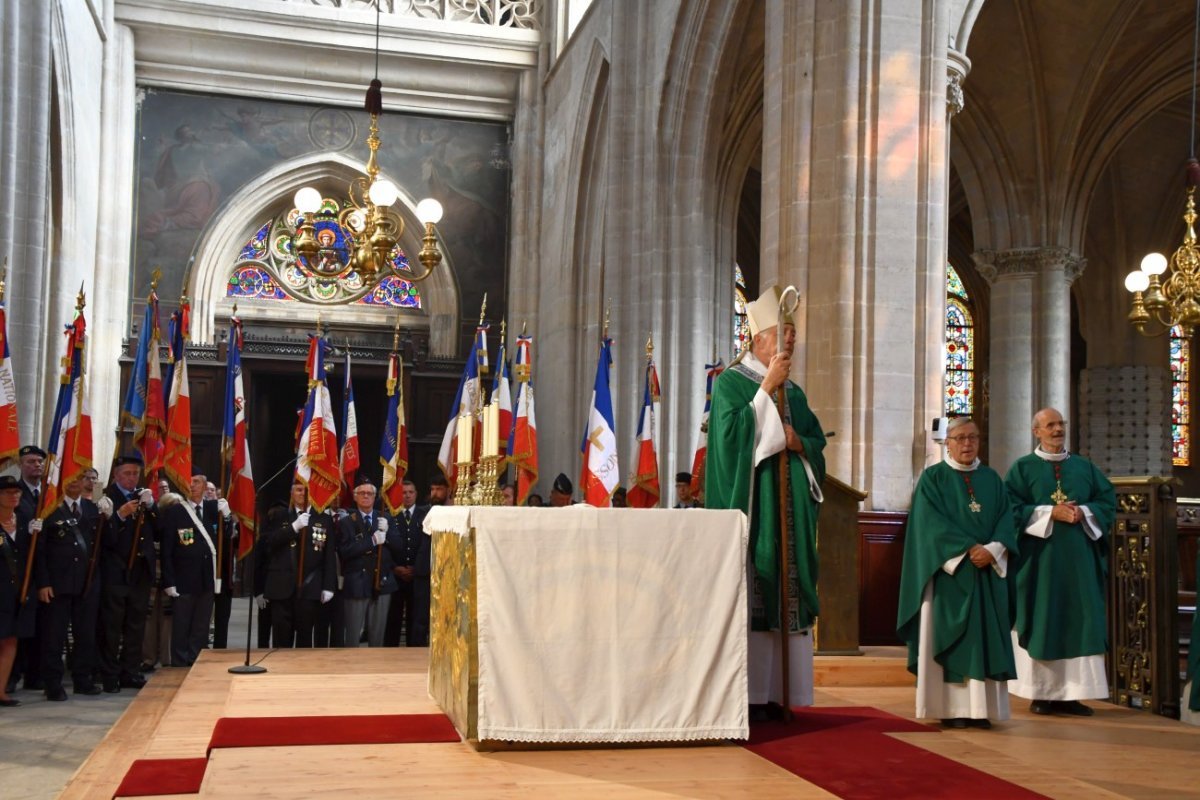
(763, 313)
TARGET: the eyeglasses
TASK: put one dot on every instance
(969, 437)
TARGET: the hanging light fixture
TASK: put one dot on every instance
(1168, 292)
(343, 249)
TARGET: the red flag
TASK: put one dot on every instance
(241, 494)
(177, 457)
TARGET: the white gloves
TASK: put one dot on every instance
(223, 507)
(301, 522)
(326, 596)
(379, 537)
(146, 497)
(35, 526)
(261, 601)
(381, 525)
(171, 591)
(105, 505)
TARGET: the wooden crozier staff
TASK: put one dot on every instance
(787, 304)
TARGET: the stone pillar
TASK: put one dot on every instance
(855, 160)
(25, 191)
(109, 303)
(1031, 342)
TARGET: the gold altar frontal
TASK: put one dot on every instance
(454, 631)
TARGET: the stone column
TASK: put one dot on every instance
(1031, 342)
(854, 162)
(109, 311)
(25, 191)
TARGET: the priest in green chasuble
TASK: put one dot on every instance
(746, 435)
(1064, 507)
(954, 602)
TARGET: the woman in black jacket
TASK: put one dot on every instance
(16, 618)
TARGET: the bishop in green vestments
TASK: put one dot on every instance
(746, 434)
(1064, 507)
(954, 605)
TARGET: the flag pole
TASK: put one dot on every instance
(784, 498)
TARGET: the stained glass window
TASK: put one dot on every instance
(741, 321)
(959, 394)
(1181, 369)
(271, 246)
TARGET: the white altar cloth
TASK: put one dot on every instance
(608, 625)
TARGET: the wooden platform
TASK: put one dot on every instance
(1117, 753)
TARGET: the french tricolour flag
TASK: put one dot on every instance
(177, 458)
(236, 444)
(10, 434)
(522, 442)
(645, 491)
(393, 450)
(349, 459)
(502, 395)
(69, 452)
(317, 453)
(465, 400)
(601, 468)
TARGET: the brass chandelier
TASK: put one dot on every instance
(1167, 293)
(343, 250)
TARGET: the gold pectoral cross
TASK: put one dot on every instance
(1059, 497)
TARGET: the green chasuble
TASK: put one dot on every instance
(1060, 581)
(1193, 670)
(972, 631)
(732, 481)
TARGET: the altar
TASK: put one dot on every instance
(582, 624)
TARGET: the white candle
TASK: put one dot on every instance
(494, 419)
(465, 436)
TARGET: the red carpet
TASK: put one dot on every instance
(294, 731)
(151, 776)
(847, 751)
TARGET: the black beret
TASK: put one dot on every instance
(562, 484)
(363, 480)
(8, 482)
(683, 477)
(31, 450)
(124, 460)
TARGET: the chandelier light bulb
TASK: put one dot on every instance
(429, 211)
(1154, 264)
(383, 192)
(1137, 281)
(307, 200)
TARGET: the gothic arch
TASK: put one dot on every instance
(242, 214)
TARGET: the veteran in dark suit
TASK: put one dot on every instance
(68, 592)
(127, 564)
(16, 618)
(301, 574)
(189, 567)
(410, 603)
(369, 547)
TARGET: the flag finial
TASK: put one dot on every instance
(396, 334)
(483, 308)
(650, 345)
(318, 324)
(155, 277)
(234, 314)
(524, 323)
(3, 278)
(80, 299)
(503, 330)
(607, 318)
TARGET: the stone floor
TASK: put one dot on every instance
(42, 744)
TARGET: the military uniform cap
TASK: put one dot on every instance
(562, 484)
(31, 450)
(125, 460)
(8, 482)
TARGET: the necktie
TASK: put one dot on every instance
(74, 506)
(407, 516)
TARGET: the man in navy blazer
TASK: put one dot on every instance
(410, 603)
(369, 547)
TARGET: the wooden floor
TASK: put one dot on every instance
(1117, 753)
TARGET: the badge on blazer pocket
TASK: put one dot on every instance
(187, 536)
